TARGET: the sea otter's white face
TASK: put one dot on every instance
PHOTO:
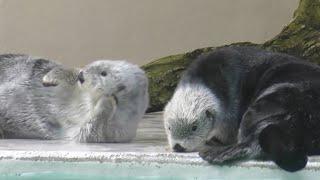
(128, 86)
(108, 78)
(189, 117)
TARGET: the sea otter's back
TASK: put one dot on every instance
(236, 75)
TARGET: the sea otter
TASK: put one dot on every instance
(244, 102)
(41, 99)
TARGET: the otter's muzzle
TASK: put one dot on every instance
(178, 148)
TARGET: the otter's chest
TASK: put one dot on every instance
(73, 116)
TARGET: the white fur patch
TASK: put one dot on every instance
(132, 102)
(189, 100)
(189, 104)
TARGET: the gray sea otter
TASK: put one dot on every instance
(40, 99)
(244, 102)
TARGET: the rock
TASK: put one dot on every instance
(300, 38)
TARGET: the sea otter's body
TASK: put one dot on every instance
(41, 99)
(262, 104)
(26, 105)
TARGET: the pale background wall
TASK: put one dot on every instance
(76, 32)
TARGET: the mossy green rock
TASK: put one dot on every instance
(300, 38)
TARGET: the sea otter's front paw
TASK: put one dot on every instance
(225, 154)
(60, 75)
(88, 134)
(207, 155)
(212, 155)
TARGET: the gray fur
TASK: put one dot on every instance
(41, 99)
(263, 104)
(188, 108)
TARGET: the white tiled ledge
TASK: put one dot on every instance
(132, 157)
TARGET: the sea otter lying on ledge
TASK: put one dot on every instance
(244, 102)
(40, 99)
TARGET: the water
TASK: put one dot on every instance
(39, 170)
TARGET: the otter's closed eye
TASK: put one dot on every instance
(209, 114)
(194, 128)
(103, 73)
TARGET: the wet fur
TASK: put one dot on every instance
(270, 100)
(183, 111)
(41, 99)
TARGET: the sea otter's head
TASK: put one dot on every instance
(111, 78)
(189, 117)
(128, 86)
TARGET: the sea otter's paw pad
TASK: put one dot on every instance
(48, 81)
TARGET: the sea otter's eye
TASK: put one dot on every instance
(169, 128)
(103, 73)
(194, 128)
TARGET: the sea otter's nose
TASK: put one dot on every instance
(80, 77)
(178, 148)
